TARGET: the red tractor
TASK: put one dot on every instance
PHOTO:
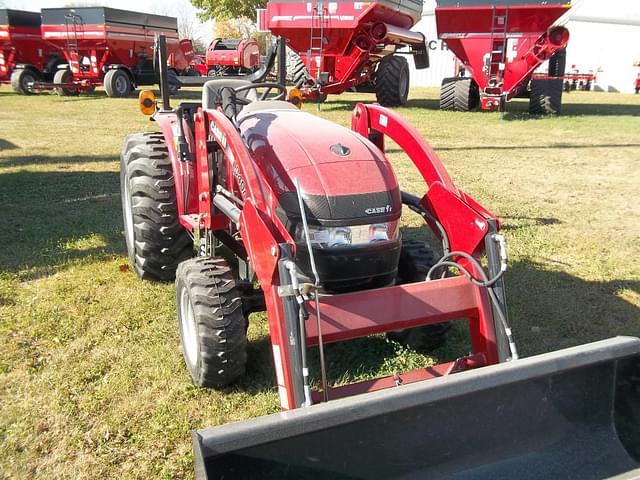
(252, 204)
(344, 45)
(232, 56)
(25, 57)
(114, 48)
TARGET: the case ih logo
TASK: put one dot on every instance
(373, 211)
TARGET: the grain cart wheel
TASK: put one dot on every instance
(392, 81)
(212, 323)
(21, 78)
(466, 95)
(557, 63)
(117, 83)
(448, 93)
(299, 74)
(156, 242)
(416, 258)
(64, 76)
(546, 96)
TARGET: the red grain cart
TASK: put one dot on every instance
(114, 48)
(500, 44)
(21, 45)
(232, 56)
(350, 44)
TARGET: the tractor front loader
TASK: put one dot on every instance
(310, 210)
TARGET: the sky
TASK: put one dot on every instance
(173, 8)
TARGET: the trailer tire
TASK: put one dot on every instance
(392, 81)
(546, 96)
(64, 76)
(558, 63)
(117, 83)
(211, 321)
(416, 258)
(156, 242)
(448, 93)
(20, 79)
(466, 95)
(300, 76)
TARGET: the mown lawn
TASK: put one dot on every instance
(92, 382)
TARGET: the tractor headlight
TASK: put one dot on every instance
(332, 237)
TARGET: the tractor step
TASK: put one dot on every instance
(572, 413)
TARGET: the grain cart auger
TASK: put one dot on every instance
(500, 43)
(310, 210)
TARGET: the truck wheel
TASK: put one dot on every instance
(117, 83)
(212, 324)
(546, 96)
(448, 93)
(20, 80)
(392, 81)
(64, 76)
(466, 95)
(156, 242)
(416, 258)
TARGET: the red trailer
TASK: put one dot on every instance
(105, 46)
(232, 56)
(346, 44)
(21, 44)
(500, 43)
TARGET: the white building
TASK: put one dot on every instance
(605, 38)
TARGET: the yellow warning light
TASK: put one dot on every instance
(295, 97)
(147, 102)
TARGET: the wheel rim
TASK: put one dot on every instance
(188, 328)
(26, 80)
(121, 84)
(128, 215)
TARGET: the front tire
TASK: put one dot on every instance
(211, 320)
(392, 81)
(156, 242)
(21, 79)
(416, 258)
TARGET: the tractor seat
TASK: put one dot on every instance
(211, 91)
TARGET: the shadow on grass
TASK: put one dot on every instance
(520, 110)
(25, 160)
(7, 145)
(50, 218)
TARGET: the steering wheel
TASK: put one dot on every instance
(282, 92)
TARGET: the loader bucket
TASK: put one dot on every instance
(572, 413)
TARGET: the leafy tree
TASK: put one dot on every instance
(227, 9)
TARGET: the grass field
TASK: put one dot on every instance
(92, 381)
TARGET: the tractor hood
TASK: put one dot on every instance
(344, 178)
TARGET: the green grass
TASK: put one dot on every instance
(92, 382)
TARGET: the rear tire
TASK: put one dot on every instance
(546, 96)
(20, 80)
(156, 242)
(416, 258)
(211, 320)
(466, 95)
(448, 93)
(117, 83)
(392, 81)
(64, 76)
